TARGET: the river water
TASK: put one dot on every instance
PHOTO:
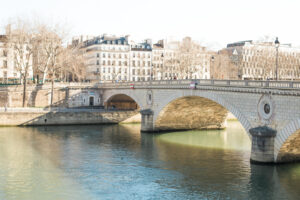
(117, 162)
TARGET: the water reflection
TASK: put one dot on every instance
(117, 162)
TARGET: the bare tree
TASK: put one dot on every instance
(21, 40)
(72, 65)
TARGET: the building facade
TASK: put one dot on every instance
(9, 71)
(106, 58)
(141, 61)
(261, 61)
(111, 58)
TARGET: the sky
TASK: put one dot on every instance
(214, 23)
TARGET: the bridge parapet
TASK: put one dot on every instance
(208, 82)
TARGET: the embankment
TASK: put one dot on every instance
(31, 117)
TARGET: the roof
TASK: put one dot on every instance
(105, 39)
(237, 44)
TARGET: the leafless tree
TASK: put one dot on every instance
(22, 42)
(72, 64)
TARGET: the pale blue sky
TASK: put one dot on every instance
(213, 22)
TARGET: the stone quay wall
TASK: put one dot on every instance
(64, 95)
(25, 117)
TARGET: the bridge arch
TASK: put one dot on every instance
(208, 96)
(286, 144)
(109, 96)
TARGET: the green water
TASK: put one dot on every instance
(117, 162)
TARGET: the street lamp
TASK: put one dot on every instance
(212, 67)
(277, 43)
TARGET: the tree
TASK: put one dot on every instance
(21, 41)
(72, 65)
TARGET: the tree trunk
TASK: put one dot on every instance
(44, 76)
(52, 88)
(24, 90)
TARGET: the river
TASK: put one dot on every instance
(117, 162)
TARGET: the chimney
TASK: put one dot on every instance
(8, 29)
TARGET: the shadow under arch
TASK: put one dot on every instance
(287, 143)
(121, 102)
(207, 104)
(114, 93)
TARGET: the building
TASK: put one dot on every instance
(9, 71)
(111, 58)
(107, 58)
(257, 61)
(158, 53)
(141, 61)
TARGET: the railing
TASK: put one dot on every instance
(183, 83)
(207, 82)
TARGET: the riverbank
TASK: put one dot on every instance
(55, 116)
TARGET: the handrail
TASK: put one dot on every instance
(210, 82)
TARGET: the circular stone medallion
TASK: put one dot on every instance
(266, 108)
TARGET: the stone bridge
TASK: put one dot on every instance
(269, 111)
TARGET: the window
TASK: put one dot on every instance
(103, 55)
(97, 62)
(113, 62)
(109, 55)
(120, 63)
(133, 72)
(98, 70)
(103, 69)
(98, 55)
(103, 62)
(108, 62)
(120, 55)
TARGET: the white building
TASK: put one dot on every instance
(141, 61)
(107, 58)
(158, 52)
(9, 73)
(257, 60)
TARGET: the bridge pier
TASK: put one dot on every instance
(147, 123)
(262, 150)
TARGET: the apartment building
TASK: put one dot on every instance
(141, 61)
(158, 53)
(257, 60)
(9, 72)
(107, 58)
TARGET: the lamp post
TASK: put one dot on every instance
(212, 67)
(277, 43)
